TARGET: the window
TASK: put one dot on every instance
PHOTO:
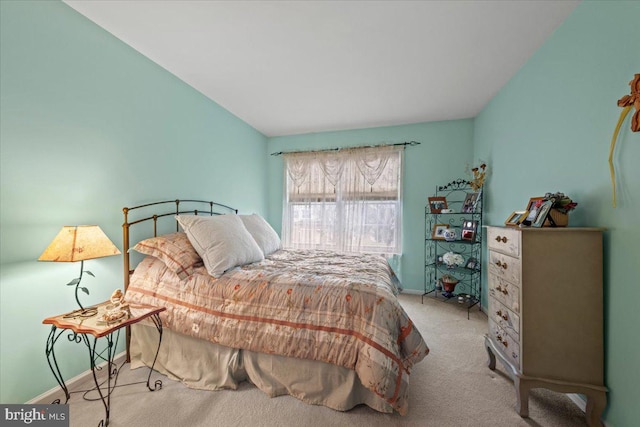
(347, 200)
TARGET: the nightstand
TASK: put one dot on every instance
(87, 330)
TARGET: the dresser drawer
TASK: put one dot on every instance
(506, 318)
(505, 292)
(505, 343)
(505, 267)
(505, 240)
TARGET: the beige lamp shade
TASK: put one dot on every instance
(79, 243)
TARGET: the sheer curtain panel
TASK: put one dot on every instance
(348, 200)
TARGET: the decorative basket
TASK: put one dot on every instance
(560, 219)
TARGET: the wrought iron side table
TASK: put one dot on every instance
(80, 328)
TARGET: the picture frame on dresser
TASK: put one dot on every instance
(542, 213)
(532, 202)
(532, 211)
(437, 203)
(516, 218)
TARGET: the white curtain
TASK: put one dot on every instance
(348, 200)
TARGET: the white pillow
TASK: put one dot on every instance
(264, 235)
(222, 241)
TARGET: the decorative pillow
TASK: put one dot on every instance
(222, 241)
(264, 235)
(174, 250)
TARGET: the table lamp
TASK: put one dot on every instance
(79, 243)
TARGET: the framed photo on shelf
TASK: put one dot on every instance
(543, 212)
(438, 231)
(469, 205)
(436, 204)
(516, 218)
(469, 228)
(472, 264)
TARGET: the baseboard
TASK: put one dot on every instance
(47, 395)
(412, 291)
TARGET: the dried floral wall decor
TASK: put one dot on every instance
(627, 102)
(479, 174)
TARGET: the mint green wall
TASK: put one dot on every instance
(549, 129)
(88, 126)
(442, 157)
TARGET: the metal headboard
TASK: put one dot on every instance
(195, 207)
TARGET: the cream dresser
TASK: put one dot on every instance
(545, 311)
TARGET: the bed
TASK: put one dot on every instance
(323, 327)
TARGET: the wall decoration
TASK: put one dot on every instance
(479, 175)
(627, 102)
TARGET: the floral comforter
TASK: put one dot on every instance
(318, 305)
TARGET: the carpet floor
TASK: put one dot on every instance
(452, 386)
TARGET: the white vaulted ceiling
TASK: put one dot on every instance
(288, 67)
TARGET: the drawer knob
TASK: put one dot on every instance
(505, 291)
(499, 288)
(501, 239)
(501, 264)
(501, 341)
(505, 316)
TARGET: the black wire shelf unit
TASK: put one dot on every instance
(465, 207)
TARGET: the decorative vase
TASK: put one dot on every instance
(450, 234)
(449, 285)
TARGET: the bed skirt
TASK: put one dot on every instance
(204, 365)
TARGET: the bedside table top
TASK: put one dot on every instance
(96, 326)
